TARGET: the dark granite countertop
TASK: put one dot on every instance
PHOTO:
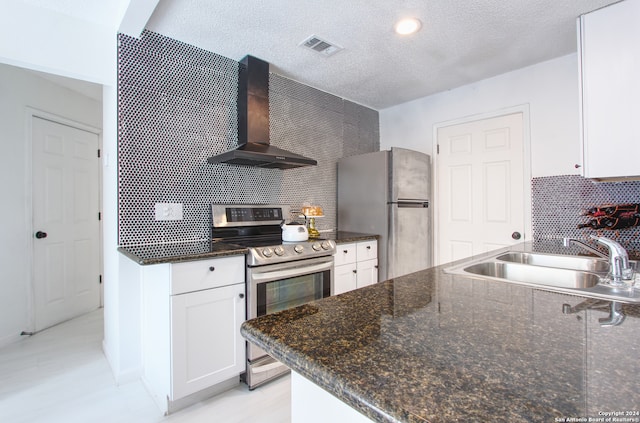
(199, 250)
(436, 347)
(344, 237)
(178, 252)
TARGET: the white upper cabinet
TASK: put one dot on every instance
(609, 41)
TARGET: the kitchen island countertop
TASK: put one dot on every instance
(432, 346)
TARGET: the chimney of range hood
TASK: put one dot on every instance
(253, 123)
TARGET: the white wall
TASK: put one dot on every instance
(42, 39)
(550, 88)
(20, 89)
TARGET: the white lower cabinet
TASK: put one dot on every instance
(345, 278)
(191, 318)
(206, 345)
(312, 404)
(367, 272)
(356, 265)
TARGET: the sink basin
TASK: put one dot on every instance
(575, 275)
(589, 264)
(548, 276)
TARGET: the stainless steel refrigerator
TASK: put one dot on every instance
(388, 193)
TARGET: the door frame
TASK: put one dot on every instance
(30, 114)
(526, 167)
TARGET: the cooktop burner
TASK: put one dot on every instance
(257, 227)
(289, 251)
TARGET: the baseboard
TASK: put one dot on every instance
(204, 394)
(167, 406)
(121, 377)
(161, 399)
(11, 339)
(112, 365)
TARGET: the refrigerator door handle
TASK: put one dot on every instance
(413, 204)
(409, 245)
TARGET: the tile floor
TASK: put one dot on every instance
(61, 375)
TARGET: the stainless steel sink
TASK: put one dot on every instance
(548, 276)
(589, 264)
(576, 275)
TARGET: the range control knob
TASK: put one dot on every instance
(298, 249)
(267, 252)
(325, 245)
(316, 246)
(278, 250)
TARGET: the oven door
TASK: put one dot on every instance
(277, 287)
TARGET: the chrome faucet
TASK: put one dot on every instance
(619, 268)
(567, 243)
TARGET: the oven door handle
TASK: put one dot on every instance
(266, 367)
(267, 276)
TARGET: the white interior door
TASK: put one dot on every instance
(481, 186)
(65, 197)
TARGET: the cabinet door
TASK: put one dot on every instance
(344, 278)
(367, 272)
(206, 345)
(610, 64)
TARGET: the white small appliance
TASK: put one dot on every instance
(294, 232)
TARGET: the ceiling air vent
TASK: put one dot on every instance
(320, 46)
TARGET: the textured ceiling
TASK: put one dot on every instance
(461, 41)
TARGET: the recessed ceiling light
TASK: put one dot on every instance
(408, 26)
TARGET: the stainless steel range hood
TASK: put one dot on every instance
(253, 124)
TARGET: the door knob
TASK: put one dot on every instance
(41, 234)
(516, 235)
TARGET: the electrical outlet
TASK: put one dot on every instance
(168, 211)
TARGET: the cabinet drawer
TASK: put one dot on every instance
(367, 250)
(205, 274)
(345, 254)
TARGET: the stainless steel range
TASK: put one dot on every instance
(280, 275)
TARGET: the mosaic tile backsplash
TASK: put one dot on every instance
(559, 202)
(177, 107)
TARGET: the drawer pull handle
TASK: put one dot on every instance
(354, 271)
(368, 247)
(211, 268)
(241, 295)
(345, 251)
